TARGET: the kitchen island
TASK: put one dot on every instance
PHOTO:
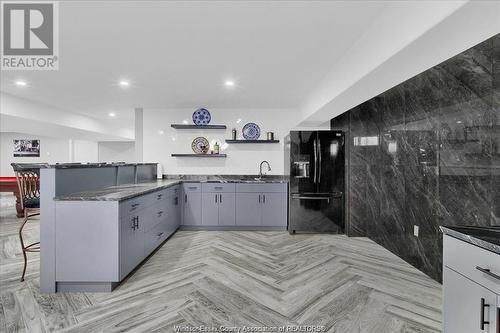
(101, 235)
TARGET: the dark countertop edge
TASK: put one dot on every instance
(75, 197)
(96, 165)
(471, 239)
(70, 197)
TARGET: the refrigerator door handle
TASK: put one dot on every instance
(319, 163)
(315, 148)
(311, 198)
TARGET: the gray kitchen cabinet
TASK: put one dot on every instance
(218, 209)
(87, 239)
(154, 215)
(274, 209)
(167, 216)
(248, 209)
(471, 287)
(470, 307)
(98, 243)
(227, 209)
(132, 247)
(191, 205)
(210, 209)
(261, 205)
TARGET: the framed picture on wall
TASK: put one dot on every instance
(26, 148)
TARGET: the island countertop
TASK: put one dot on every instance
(91, 165)
(119, 192)
(127, 191)
(485, 237)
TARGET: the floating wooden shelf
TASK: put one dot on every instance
(184, 126)
(198, 155)
(252, 141)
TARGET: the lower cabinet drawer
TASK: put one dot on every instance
(191, 187)
(132, 206)
(156, 214)
(217, 187)
(467, 306)
(260, 188)
(152, 215)
(155, 236)
(479, 265)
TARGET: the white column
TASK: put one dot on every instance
(139, 137)
(71, 147)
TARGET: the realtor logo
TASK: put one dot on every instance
(29, 35)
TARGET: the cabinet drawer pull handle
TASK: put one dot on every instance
(192, 187)
(160, 213)
(218, 187)
(488, 272)
(135, 222)
(135, 205)
(483, 322)
(158, 196)
(159, 234)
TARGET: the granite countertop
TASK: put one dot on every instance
(486, 237)
(127, 191)
(229, 178)
(118, 193)
(92, 165)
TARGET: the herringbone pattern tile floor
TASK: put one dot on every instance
(232, 279)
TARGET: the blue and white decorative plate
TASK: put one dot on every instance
(201, 117)
(251, 131)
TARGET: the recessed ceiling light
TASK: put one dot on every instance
(459, 121)
(124, 83)
(229, 83)
(112, 114)
(21, 83)
(161, 132)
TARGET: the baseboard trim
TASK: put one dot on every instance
(93, 287)
(229, 228)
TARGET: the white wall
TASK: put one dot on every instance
(160, 140)
(84, 151)
(51, 151)
(116, 151)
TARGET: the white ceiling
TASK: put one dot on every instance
(178, 54)
(317, 57)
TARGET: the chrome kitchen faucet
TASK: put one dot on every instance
(260, 168)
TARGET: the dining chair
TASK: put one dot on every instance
(28, 181)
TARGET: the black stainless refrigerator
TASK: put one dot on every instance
(316, 169)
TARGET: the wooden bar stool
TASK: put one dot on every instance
(28, 181)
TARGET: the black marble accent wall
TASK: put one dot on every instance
(426, 153)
